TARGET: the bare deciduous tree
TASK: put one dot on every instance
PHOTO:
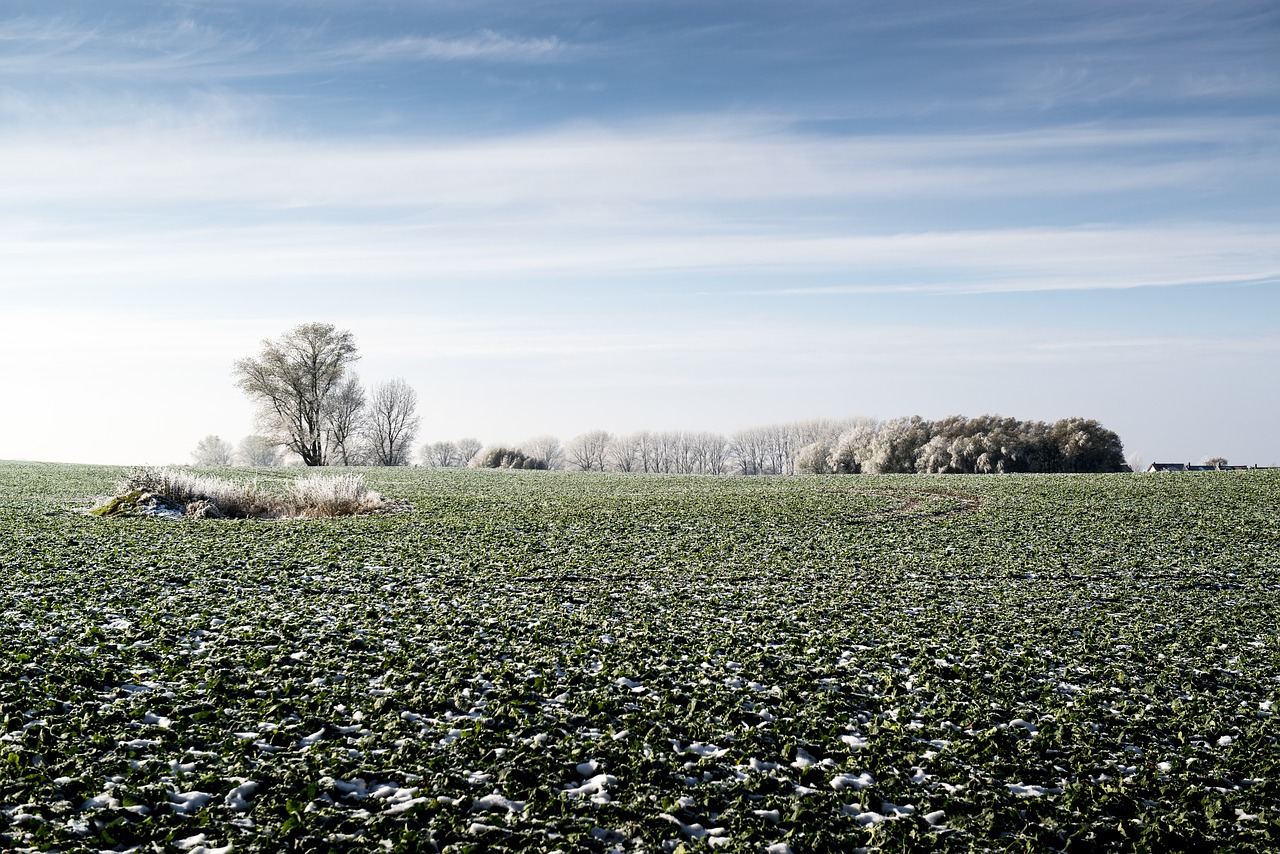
(546, 448)
(293, 381)
(750, 449)
(257, 451)
(213, 451)
(439, 454)
(345, 412)
(589, 451)
(624, 452)
(467, 449)
(392, 423)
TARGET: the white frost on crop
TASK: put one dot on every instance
(713, 835)
(497, 803)
(238, 798)
(803, 759)
(1026, 791)
(889, 812)
(307, 741)
(188, 802)
(595, 789)
(847, 781)
(760, 765)
(103, 801)
(353, 790)
(449, 738)
(195, 845)
(706, 751)
(1031, 728)
(1225, 741)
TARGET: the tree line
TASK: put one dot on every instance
(988, 444)
(313, 408)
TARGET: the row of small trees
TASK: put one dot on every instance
(986, 444)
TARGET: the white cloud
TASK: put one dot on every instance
(484, 45)
(705, 161)
(162, 201)
(182, 46)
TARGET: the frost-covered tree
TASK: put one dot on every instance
(588, 451)
(894, 448)
(392, 423)
(257, 451)
(814, 458)
(467, 449)
(546, 448)
(345, 412)
(853, 447)
(1084, 445)
(624, 453)
(750, 450)
(213, 451)
(439, 454)
(294, 381)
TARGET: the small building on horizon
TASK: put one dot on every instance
(1191, 467)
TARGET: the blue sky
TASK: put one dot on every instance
(557, 216)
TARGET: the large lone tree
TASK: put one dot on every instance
(295, 382)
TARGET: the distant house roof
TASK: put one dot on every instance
(1190, 467)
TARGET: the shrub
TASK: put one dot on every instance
(814, 459)
(174, 493)
(344, 495)
(498, 457)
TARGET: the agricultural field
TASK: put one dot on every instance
(533, 661)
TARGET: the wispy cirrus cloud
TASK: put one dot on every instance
(725, 195)
(181, 157)
(484, 45)
(68, 47)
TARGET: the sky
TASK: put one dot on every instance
(554, 216)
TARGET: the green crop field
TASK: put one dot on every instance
(532, 661)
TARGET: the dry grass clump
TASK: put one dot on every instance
(236, 500)
(342, 495)
(174, 493)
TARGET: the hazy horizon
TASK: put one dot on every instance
(556, 217)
